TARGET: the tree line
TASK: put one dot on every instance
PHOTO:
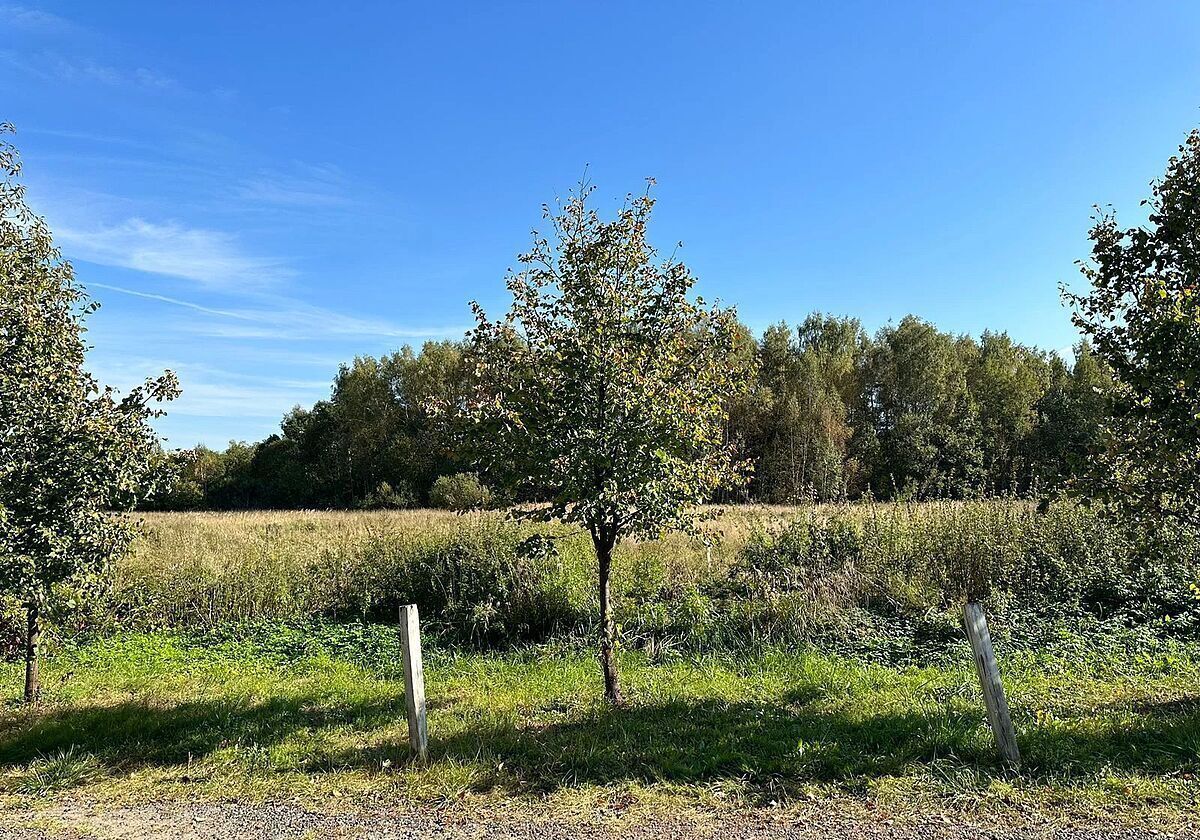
(832, 413)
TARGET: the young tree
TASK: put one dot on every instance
(1142, 316)
(70, 451)
(604, 391)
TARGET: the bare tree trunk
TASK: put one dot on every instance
(608, 627)
(33, 629)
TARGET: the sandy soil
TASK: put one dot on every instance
(193, 821)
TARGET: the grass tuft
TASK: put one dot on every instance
(65, 769)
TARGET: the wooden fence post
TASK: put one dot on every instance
(989, 680)
(414, 680)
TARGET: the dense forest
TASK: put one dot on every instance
(911, 412)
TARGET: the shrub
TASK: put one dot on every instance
(799, 581)
(474, 586)
(470, 581)
(389, 497)
(461, 491)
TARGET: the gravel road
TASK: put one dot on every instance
(195, 821)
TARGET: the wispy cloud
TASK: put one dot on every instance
(216, 392)
(148, 78)
(224, 313)
(229, 399)
(93, 139)
(307, 186)
(34, 20)
(67, 70)
(287, 319)
(210, 257)
(52, 67)
(304, 326)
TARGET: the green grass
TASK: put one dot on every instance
(241, 656)
(316, 712)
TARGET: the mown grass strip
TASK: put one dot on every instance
(160, 715)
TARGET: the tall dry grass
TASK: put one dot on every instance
(884, 575)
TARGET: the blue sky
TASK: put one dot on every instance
(259, 191)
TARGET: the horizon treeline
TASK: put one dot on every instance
(911, 412)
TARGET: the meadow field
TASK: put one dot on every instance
(789, 655)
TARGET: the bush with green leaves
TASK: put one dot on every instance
(461, 491)
(386, 496)
(903, 571)
(476, 586)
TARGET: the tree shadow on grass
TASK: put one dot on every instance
(1152, 738)
(708, 740)
(136, 734)
(800, 740)
(796, 739)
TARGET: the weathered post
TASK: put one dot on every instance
(414, 680)
(989, 680)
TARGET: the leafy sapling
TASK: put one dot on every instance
(601, 398)
(73, 454)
